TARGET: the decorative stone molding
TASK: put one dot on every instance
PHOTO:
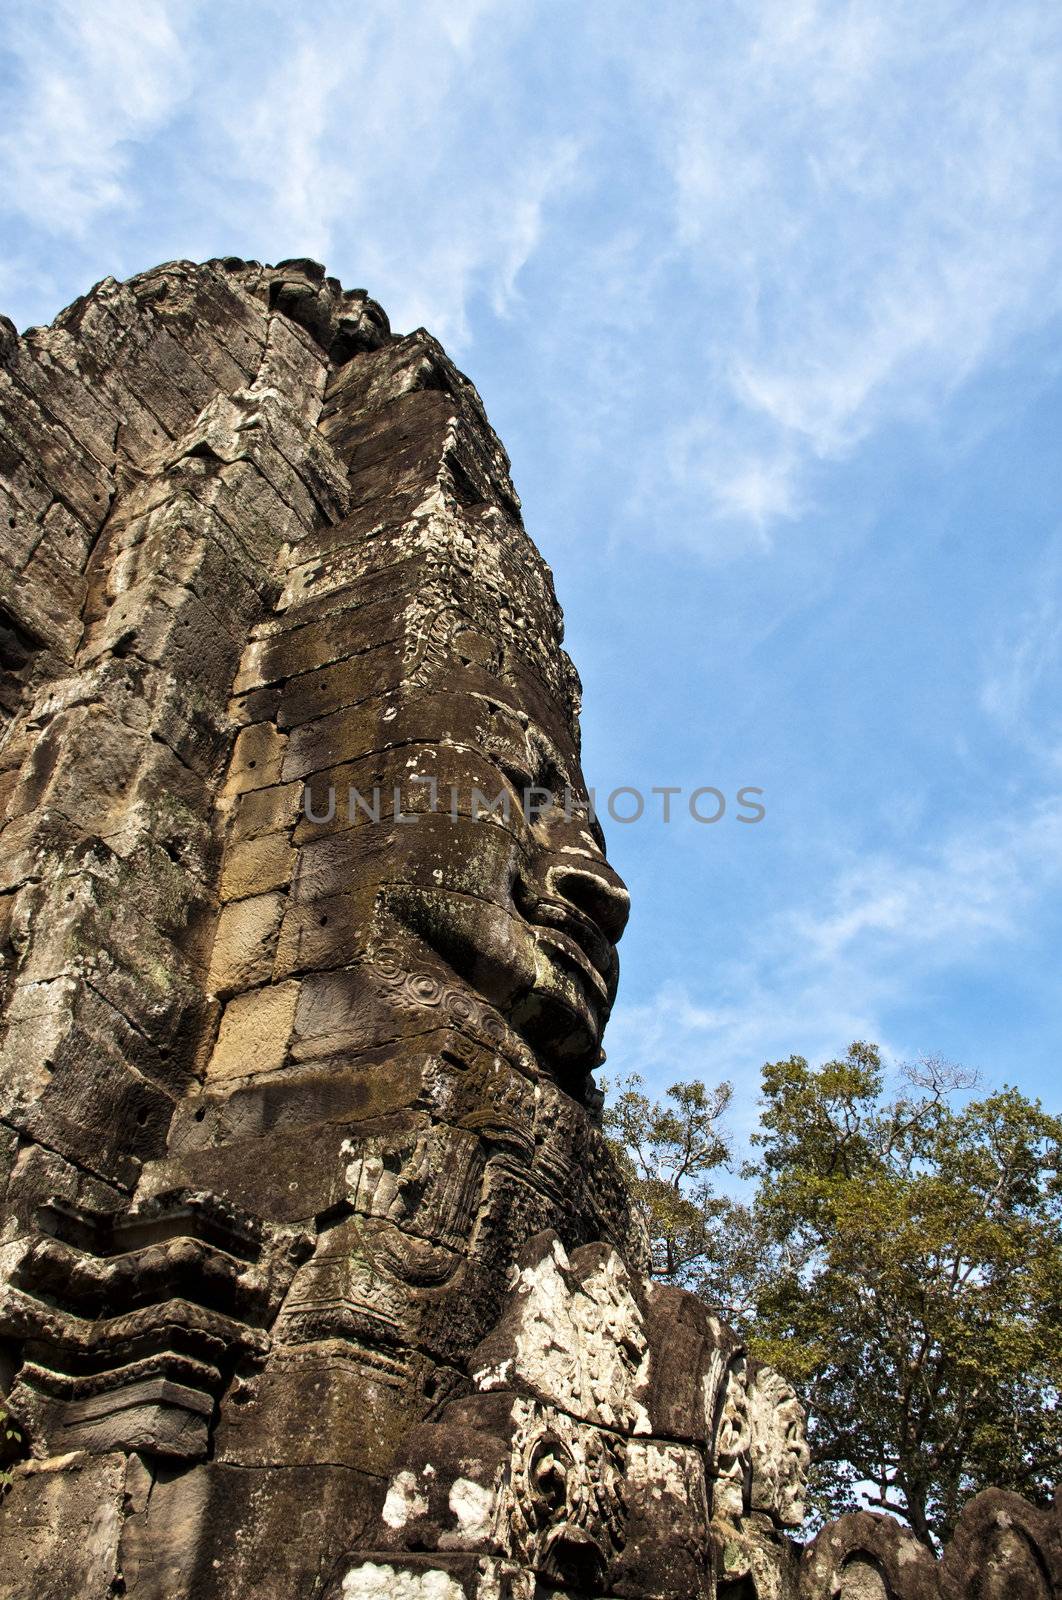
(130, 1325)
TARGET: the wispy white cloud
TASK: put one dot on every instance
(84, 81)
(869, 197)
(850, 206)
(746, 481)
(476, 250)
(379, 139)
(675, 1037)
(387, 144)
(276, 140)
(814, 978)
(1023, 662)
(941, 909)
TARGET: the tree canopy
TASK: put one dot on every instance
(898, 1256)
(667, 1151)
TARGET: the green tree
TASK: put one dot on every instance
(667, 1152)
(899, 1259)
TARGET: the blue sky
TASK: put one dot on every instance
(764, 299)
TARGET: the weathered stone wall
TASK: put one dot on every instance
(317, 1276)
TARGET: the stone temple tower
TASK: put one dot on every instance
(317, 1278)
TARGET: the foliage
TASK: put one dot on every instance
(900, 1260)
(666, 1152)
(10, 1438)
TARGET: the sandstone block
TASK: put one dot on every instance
(254, 866)
(255, 1033)
(245, 944)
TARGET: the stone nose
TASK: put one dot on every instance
(593, 889)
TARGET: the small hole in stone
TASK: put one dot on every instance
(252, 763)
(164, 1051)
(96, 498)
(11, 522)
(323, 921)
(142, 1115)
(200, 1114)
(49, 1066)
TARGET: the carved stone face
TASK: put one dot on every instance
(779, 1451)
(568, 1513)
(732, 1441)
(512, 891)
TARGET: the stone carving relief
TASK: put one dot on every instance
(548, 1467)
(732, 1443)
(778, 1451)
(530, 914)
(864, 1553)
(562, 1510)
(574, 1334)
(861, 1580)
(1002, 1547)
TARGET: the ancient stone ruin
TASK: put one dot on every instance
(318, 1279)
